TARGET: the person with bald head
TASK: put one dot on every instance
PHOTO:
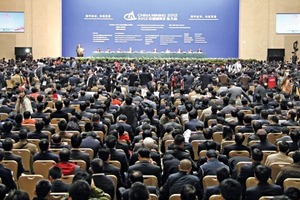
(176, 181)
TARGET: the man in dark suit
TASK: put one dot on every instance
(239, 139)
(5, 106)
(83, 112)
(263, 144)
(104, 155)
(111, 143)
(59, 113)
(145, 77)
(213, 115)
(44, 153)
(263, 188)
(74, 80)
(6, 132)
(274, 127)
(137, 176)
(247, 171)
(145, 165)
(193, 121)
(57, 185)
(130, 111)
(38, 134)
(206, 78)
(176, 181)
(91, 79)
(90, 140)
(102, 181)
(67, 108)
(222, 174)
(247, 128)
(121, 121)
(6, 175)
(8, 155)
(76, 153)
(39, 111)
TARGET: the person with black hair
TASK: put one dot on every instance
(23, 103)
(44, 153)
(62, 125)
(18, 126)
(66, 166)
(274, 126)
(290, 119)
(42, 190)
(247, 128)
(130, 111)
(79, 193)
(57, 185)
(146, 165)
(100, 180)
(239, 139)
(38, 134)
(7, 145)
(27, 118)
(76, 153)
(47, 126)
(188, 192)
(90, 140)
(292, 193)
(111, 143)
(6, 132)
(17, 194)
(5, 106)
(67, 108)
(247, 171)
(291, 171)
(122, 123)
(281, 156)
(39, 111)
(231, 189)
(59, 113)
(263, 188)
(263, 144)
(138, 191)
(6, 175)
(24, 144)
(3, 191)
(222, 174)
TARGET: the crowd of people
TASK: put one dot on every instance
(146, 114)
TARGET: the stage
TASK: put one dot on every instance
(147, 55)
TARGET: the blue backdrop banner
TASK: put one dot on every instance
(151, 25)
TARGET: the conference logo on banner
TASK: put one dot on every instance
(145, 26)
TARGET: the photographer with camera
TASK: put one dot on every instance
(23, 103)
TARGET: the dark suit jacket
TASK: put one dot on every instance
(191, 124)
(147, 169)
(90, 142)
(126, 127)
(59, 114)
(11, 135)
(151, 189)
(35, 135)
(38, 115)
(6, 177)
(211, 191)
(264, 146)
(46, 156)
(59, 186)
(110, 169)
(181, 154)
(104, 183)
(229, 148)
(8, 155)
(176, 181)
(246, 172)
(5, 109)
(76, 154)
(262, 189)
(68, 110)
(121, 157)
(154, 155)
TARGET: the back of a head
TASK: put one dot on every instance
(231, 189)
(188, 192)
(27, 115)
(239, 138)
(64, 155)
(44, 145)
(144, 152)
(111, 141)
(296, 156)
(97, 165)
(211, 153)
(17, 194)
(138, 191)
(18, 118)
(39, 125)
(47, 120)
(3, 191)
(148, 142)
(43, 188)
(262, 134)
(257, 155)
(283, 146)
(222, 174)
(62, 125)
(262, 173)
(23, 134)
(104, 154)
(179, 139)
(80, 190)
(185, 165)
(55, 172)
(7, 144)
(136, 176)
(292, 193)
(76, 140)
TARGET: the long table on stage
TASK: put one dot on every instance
(147, 55)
